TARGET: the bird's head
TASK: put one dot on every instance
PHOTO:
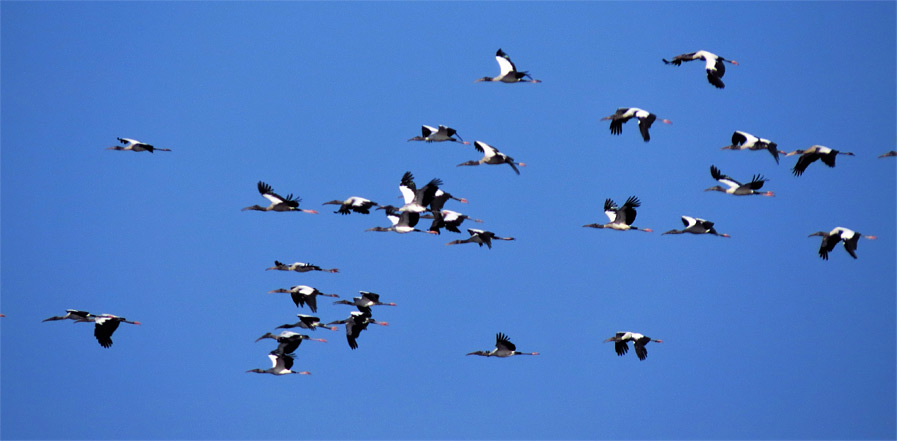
(267, 335)
(715, 188)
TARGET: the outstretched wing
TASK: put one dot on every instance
(504, 63)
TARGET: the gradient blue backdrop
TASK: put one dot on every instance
(762, 339)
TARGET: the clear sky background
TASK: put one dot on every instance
(762, 338)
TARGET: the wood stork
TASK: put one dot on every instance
(810, 155)
(503, 348)
(306, 322)
(354, 203)
(890, 154)
(287, 341)
(491, 155)
(280, 365)
(365, 300)
(839, 234)
(443, 133)
(402, 221)
(713, 65)
(105, 325)
(480, 237)
(695, 225)
(645, 120)
(136, 146)
(303, 294)
(73, 314)
(639, 341)
(737, 188)
(746, 141)
(509, 72)
(621, 218)
(417, 199)
(356, 323)
(300, 267)
(278, 202)
(448, 219)
(440, 198)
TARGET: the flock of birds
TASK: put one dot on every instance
(428, 202)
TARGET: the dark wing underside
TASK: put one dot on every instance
(103, 332)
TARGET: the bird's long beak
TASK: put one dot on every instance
(871, 237)
(319, 339)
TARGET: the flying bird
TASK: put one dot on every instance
(443, 133)
(307, 322)
(357, 322)
(890, 154)
(278, 202)
(280, 365)
(302, 294)
(509, 72)
(839, 234)
(813, 153)
(288, 342)
(448, 219)
(696, 225)
(480, 237)
(417, 199)
(354, 203)
(365, 300)
(104, 324)
(639, 341)
(737, 188)
(300, 267)
(402, 221)
(136, 146)
(644, 118)
(621, 218)
(746, 141)
(491, 155)
(713, 65)
(503, 348)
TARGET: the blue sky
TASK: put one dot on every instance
(762, 339)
